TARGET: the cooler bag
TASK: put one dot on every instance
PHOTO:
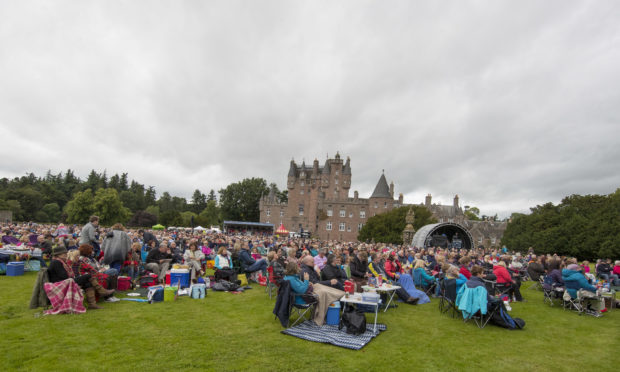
(124, 283)
(148, 280)
(198, 291)
(156, 293)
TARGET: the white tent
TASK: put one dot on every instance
(199, 228)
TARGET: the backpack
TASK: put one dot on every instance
(223, 285)
(354, 320)
(503, 319)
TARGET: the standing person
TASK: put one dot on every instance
(89, 234)
(116, 246)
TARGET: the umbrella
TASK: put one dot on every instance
(281, 229)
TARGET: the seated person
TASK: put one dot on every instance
(193, 258)
(425, 281)
(463, 263)
(307, 267)
(131, 265)
(476, 280)
(395, 273)
(535, 269)
(60, 269)
(393, 269)
(324, 295)
(616, 272)
(603, 270)
(577, 286)
(554, 278)
(277, 265)
(454, 273)
(256, 254)
(249, 264)
(81, 264)
(158, 261)
(332, 270)
(224, 265)
(358, 265)
(504, 278)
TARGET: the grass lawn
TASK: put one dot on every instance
(238, 332)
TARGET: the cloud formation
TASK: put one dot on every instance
(506, 104)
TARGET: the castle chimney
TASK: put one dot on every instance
(400, 199)
(356, 195)
(428, 200)
(456, 202)
(392, 189)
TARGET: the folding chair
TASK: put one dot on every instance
(272, 281)
(482, 320)
(417, 280)
(301, 310)
(570, 303)
(447, 296)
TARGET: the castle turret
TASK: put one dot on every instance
(400, 199)
(292, 175)
(456, 202)
(427, 202)
(392, 189)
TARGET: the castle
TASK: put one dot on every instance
(319, 202)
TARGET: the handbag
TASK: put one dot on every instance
(354, 320)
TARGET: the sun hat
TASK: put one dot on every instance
(59, 250)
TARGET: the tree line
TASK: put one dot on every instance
(67, 198)
(585, 227)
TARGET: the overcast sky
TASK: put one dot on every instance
(507, 103)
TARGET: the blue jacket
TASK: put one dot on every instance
(472, 300)
(298, 286)
(462, 279)
(245, 258)
(422, 278)
(574, 281)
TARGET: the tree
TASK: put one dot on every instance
(52, 211)
(165, 202)
(153, 209)
(472, 213)
(212, 196)
(187, 218)
(81, 207)
(239, 201)
(150, 196)
(109, 207)
(388, 227)
(142, 219)
(171, 218)
(199, 201)
(129, 200)
(211, 215)
(585, 227)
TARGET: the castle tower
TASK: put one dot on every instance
(427, 202)
(292, 175)
(456, 202)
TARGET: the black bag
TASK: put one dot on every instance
(223, 285)
(501, 318)
(354, 320)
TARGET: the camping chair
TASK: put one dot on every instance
(551, 293)
(447, 296)
(273, 281)
(571, 303)
(417, 280)
(301, 310)
(479, 318)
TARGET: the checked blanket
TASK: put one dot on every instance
(331, 335)
(65, 296)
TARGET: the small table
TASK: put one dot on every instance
(612, 298)
(357, 300)
(390, 291)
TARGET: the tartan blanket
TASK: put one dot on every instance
(65, 296)
(332, 335)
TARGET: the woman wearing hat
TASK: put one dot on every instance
(59, 270)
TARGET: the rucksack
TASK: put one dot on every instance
(503, 319)
(354, 320)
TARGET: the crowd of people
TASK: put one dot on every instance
(91, 255)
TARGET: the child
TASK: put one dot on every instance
(255, 254)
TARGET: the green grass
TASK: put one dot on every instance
(238, 332)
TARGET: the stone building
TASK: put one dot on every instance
(319, 201)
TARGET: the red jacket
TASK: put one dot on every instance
(502, 274)
(391, 268)
(465, 272)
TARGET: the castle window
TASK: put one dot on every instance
(328, 227)
(348, 228)
(330, 213)
(281, 213)
(301, 209)
(267, 221)
(384, 204)
(480, 239)
(493, 240)
(303, 183)
(268, 212)
(359, 226)
(362, 214)
(301, 192)
(302, 174)
(336, 181)
(341, 226)
(343, 213)
(376, 205)
(336, 173)
(350, 214)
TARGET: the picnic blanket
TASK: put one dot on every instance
(332, 335)
(65, 296)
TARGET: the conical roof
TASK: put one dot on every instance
(382, 190)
